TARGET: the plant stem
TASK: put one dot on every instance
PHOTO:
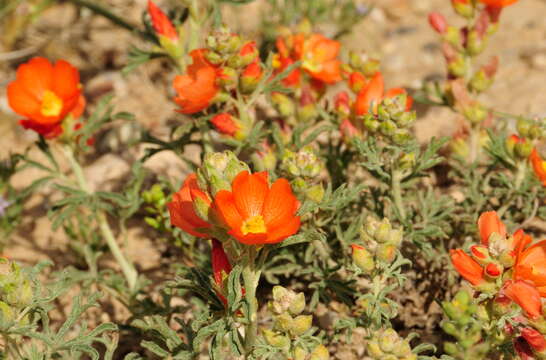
(474, 144)
(521, 170)
(251, 277)
(126, 267)
(97, 9)
(396, 188)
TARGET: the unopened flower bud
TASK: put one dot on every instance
(300, 353)
(320, 353)
(438, 22)
(475, 113)
(297, 305)
(523, 149)
(227, 77)
(371, 123)
(250, 78)
(457, 67)
(373, 349)
(464, 8)
(304, 163)
(301, 324)
(370, 67)
(401, 137)
(493, 270)
(386, 253)
(275, 339)
(480, 253)
(315, 193)
(406, 161)
(357, 81)
(214, 58)
(283, 322)
(387, 128)
(363, 258)
(475, 43)
(218, 171)
(388, 340)
(283, 104)
(6, 313)
(453, 36)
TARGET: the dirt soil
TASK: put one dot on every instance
(397, 31)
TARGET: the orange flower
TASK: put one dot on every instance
(45, 94)
(320, 58)
(489, 223)
(181, 207)
(466, 266)
(498, 3)
(225, 124)
(198, 87)
(220, 267)
(539, 166)
(531, 266)
(372, 94)
(255, 213)
(161, 23)
(525, 295)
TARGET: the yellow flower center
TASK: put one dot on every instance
(254, 225)
(52, 105)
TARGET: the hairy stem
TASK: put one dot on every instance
(126, 267)
(97, 9)
(251, 277)
(396, 189)
(474, 144)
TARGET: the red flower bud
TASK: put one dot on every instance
(225, 124)
(438, 22)
(161, 23)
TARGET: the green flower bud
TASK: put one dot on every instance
(451, 348)
(6, 313)
(464, 9)
(297, 305)
(383, 231)
(523, 149)
(301, 324)
(363, 258)
(214, 58)
(524, 127)
(284, 105)
(315, 193)
(475, 44)
(402, 349)
(401, 137)
(282, 299)
(283, 323)
(457, 67)
(218, 171)
(475, 113)
(300, 353)
(388, 128)
(370, 67)
(320, 353)
(229, 77)
(480, 82)
(307, 112)
(449, 328)
(275, 339)
(371, 123)
(453, 36)
(373, 349)
(388, 340)
(386, 253)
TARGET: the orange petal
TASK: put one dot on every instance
(525, 295)
(371, 94)
(250, 238)
(282, 232)
(182, 212)
(488, 223)
(36, 76)
(280, 204)
(224, 204)
(220, 262)
(249, 193)
(466, 266)
(21, 101)
(66, 80)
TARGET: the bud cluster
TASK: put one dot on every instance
(381, 243)
(464, 322)
(16, 293)
(289, 326)
(386, 344)
(218, 171)
(304, 168)
(156, 206)
(392, 120)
